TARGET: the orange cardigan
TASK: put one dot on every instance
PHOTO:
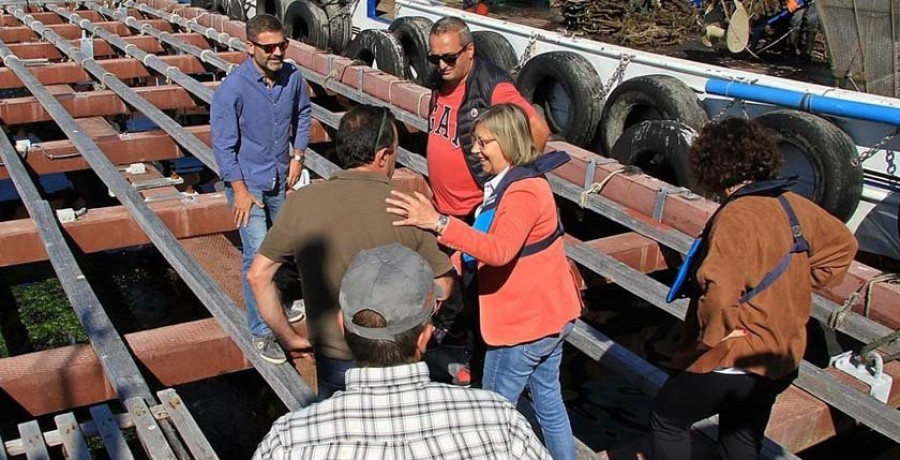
(522, 299)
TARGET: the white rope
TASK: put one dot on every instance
(597, 187)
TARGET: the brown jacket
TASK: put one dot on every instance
(747, 239)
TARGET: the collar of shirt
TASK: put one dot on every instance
(255, 74)
(355, 174)
(395, 377)
(492, 184)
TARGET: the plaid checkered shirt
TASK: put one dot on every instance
(399, 413)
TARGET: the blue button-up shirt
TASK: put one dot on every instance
(252, 124)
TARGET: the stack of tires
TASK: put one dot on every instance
(325, 25)
(648, 121)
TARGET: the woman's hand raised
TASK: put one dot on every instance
(415, 209)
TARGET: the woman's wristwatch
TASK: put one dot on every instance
(441, 224)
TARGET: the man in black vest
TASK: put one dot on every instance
(467, 85)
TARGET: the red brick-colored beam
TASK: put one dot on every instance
(94, 103)
(638, 193)
(123, 68)
(112, 227)
(102, 49)
(72, 376)
(19, 34)
(636, 251)
(56, 156)
(8, 20)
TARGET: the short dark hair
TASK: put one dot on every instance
(262, 23)
(452, 24)
(382, 353)
(733, 150)
(363, 130)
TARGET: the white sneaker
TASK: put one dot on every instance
(296, 312)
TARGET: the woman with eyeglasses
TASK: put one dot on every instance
(528, 300)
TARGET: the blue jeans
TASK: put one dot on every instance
(330, 374)
(252, 237)
(507, 370)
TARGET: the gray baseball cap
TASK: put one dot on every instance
(393, 281)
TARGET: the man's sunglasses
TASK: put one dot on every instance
(269, 48)
(449, 58)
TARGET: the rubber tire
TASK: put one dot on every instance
(838, 184)
(235, 10)
(205, 4)
(661, 148)
(379, 45)
(312, 20)
(218, 7)
(581, 84)
(276, 9)
(413, 33)
(648, 97)
(495, 48)
(339, 27)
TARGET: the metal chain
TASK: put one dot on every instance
(891, 164)
(724, 109)
(526, 55)
(617, 75)
(875, 148)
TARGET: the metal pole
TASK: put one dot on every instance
(284, 380)
(183, 137)
(205, 55)
(854, 324)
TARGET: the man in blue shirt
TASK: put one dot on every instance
(254, 114)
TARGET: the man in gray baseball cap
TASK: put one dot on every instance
(391, 282)
(391, 408)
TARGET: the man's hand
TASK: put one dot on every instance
(294, 170)
(243, 201)
(297, 346)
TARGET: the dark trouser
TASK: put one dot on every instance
(743, 402)
(330, 374)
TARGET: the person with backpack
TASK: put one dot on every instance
(527, 295)
(749, 278)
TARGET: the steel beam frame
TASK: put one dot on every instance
(285, 381)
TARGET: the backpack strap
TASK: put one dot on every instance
(545, 243)
(800, 245)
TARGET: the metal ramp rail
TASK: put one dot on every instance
(160, 440)
(880, 417)
(165, 428)
(72, 436)
(286, 382)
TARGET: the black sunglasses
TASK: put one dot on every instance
(269, 48)
(449, 58)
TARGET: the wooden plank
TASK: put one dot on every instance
(109, 431)
(33, 438)
(148, 430)
(73, 440)
(186, 425)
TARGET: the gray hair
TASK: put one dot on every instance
(451, 24)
